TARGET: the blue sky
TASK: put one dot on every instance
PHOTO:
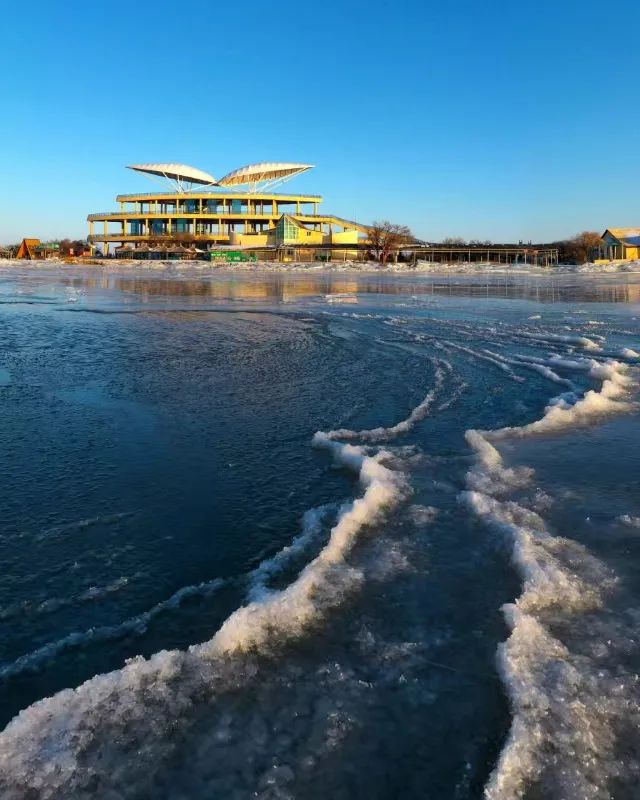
(502, 120)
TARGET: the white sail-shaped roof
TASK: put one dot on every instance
(266, 171)
(177, 172)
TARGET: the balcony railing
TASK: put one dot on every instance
(120, 215)
(225, 194)
(113, 236)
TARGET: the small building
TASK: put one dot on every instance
(620, 244)
(27, 249)
(79, 250)
(35, 250)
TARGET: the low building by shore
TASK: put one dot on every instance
(620, 244)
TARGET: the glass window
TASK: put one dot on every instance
(287, 231)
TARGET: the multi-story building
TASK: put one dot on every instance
(195, 214)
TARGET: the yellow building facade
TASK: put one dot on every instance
(196, 214)
(620, 244)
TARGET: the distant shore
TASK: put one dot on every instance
(356, 267)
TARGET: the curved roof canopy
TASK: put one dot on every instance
(265, 172)
(182, 173)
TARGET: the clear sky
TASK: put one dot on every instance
(502, 120)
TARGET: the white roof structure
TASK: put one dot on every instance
(267, 173)
(258, 177)
(181, 174)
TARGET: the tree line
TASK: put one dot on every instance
(579, 248)
(387, 238)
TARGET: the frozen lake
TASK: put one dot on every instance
(312, 535)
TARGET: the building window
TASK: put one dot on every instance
(287, 231)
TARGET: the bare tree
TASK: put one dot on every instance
(9, 250)
(385, 237)
(582, 246)
(456, 241)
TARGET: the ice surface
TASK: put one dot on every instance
(571, 707)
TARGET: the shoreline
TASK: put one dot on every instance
(177, 268)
